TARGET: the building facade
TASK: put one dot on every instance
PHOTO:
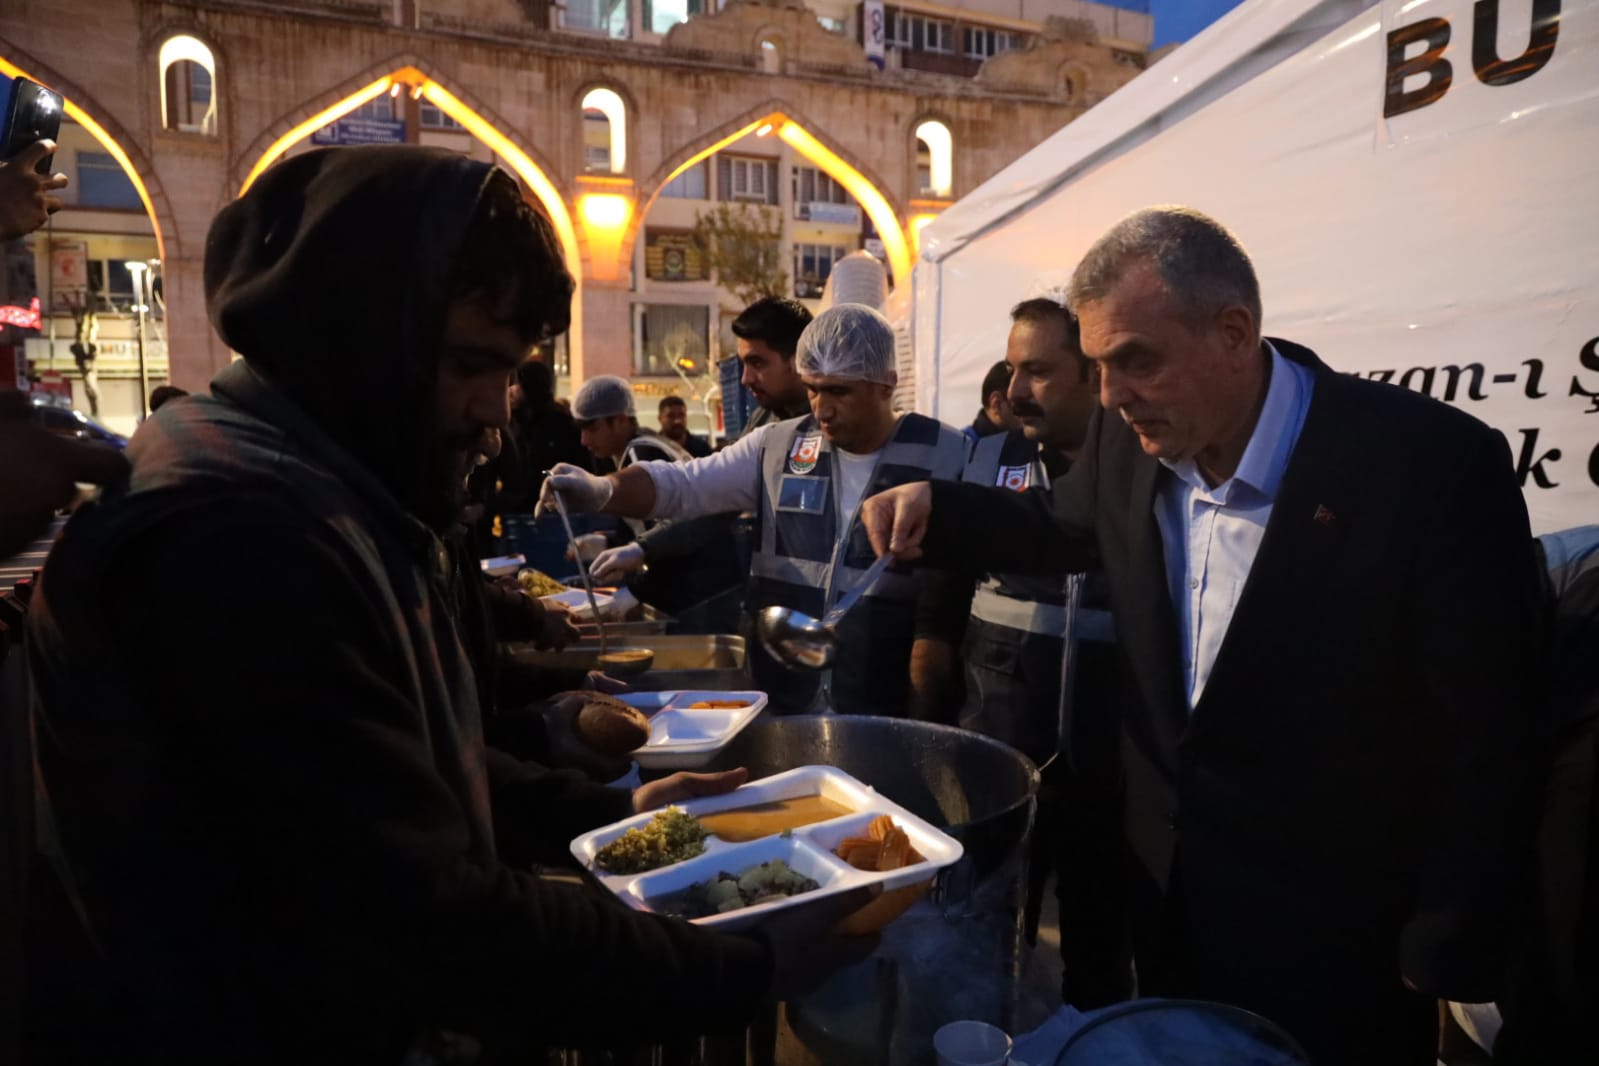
(839, 126)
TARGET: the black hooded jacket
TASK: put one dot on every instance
(257, 722)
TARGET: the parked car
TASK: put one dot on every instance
(66, 422)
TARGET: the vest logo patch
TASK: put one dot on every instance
(1014, 478)
(803, 455)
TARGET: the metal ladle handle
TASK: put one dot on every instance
(582, 570)
(860, 588)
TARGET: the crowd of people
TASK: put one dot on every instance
(1316, 713)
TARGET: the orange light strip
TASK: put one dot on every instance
(865, 193)
(525, 168)
(304, 129)
(701, 156)
(76, 114)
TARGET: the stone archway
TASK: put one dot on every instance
(800, 134)
(111, 135)
(474, 116)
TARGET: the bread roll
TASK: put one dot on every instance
(610, 726)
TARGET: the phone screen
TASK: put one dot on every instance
(33, 113)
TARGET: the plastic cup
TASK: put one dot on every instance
(971, 1044)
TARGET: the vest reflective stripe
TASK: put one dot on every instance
(1044, 619)
(794, 571)
(1012, 450)
(906, 453)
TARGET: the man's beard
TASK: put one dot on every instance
(437, 493)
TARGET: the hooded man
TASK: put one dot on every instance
(806, 478)
(296, 848)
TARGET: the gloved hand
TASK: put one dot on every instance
(581, 491)
(588, 547)
(612, 566)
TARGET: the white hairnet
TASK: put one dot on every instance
(603, 397)
(848, 341)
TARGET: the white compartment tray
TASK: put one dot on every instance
(683, 737)
(807, 849)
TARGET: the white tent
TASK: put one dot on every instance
(1424, 212)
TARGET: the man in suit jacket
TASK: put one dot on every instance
(1325, 590)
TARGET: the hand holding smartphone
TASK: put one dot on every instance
(27, 150)
(33, 114)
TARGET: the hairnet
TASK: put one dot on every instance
(848, 341)
(603, 397)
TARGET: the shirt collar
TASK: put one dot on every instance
(1265, 458)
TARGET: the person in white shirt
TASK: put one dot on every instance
(805, 479)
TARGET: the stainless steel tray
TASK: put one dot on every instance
(714, 661)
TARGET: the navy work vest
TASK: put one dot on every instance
(807, 554)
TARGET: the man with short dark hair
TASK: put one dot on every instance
(995, 415)
(673, 413)
(1324, 587)
(767, 333)
(165, 394)
(1028, 634)
(296, 848)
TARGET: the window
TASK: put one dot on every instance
(434, 119)
(666, 333)
(377, 109)
(918, 33)
(982, 43)
(813, 265)
(935, 159)
(689, 185)
(662, 15)
(111, 284)
(747, 178)
(818, 198)
(771, 57)
(838, 26)
(188, 86)
(604, 131)
(103, 183)
(607, 17)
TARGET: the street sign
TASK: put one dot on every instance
(348, 131)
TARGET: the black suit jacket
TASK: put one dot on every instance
(1352, 780)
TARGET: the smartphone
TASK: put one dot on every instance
(32, 114)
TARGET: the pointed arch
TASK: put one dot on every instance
(475, 118)
(799, 134)
(111, 136)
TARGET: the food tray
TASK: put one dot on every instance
(577, 602)
(682, 737)
(503, 565)
(807, 849)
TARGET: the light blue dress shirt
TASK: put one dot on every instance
(1211, 535)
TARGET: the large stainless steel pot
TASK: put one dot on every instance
(957, 953)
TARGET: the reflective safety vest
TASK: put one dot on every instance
(1021, 641)
(808, 553)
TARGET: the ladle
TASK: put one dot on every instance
(582, 567)
(799, 640)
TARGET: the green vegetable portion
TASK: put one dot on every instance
(670, 837)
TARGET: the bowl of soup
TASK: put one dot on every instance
(625, 662)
